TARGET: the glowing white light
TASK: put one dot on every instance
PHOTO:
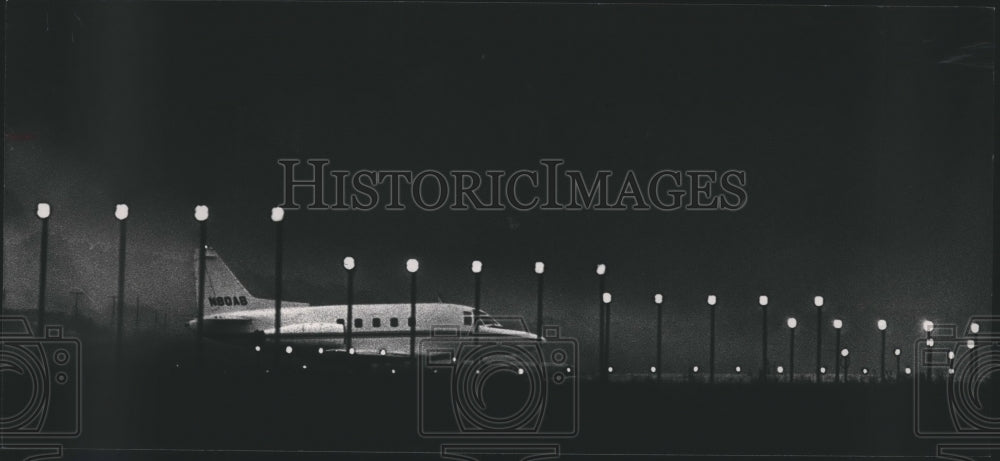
(201, 212)
(303, 366)
(477, 267)
(44, 210)
(951, 355)
(351, 351)
(762, 300)
(864, 371)
(781, 369)
(818, 301)
(974, 327)
(412, 265)
(256, 348)
(539, 267)
(792, 323)
(822, 370)
(695, 369)
(882, 325)
(288, 349)
(454, 359)
(970, 344)
(907, 370)
(520, 371)
(277, 214)
(121, 211)
(838, 324)
(606, 297)
(896, 352)
(739, 370)
(349, 263)
(381, 352)
(393, 371)
(928, 326)
(320, 350)
(611, 369)
(601, 268)
(711, 300)
(652, 369)
(951, 371)
(569, 370)
(844, 352)
(658, 298)
(930, 342)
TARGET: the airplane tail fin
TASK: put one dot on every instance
(222, 288)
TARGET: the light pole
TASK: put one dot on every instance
(601, 341)
(711, 339)
(897, 353)
(121, 213)
(540, 270)
(43, 212)
(882, 325)
(277, 216)
(837, 325)
(818, 302)
(928, 328)
(658, 300)
(200, 215)
(762, 300)
(76, 292)
(349, 327)
(412, 266)
(792, 323)
(843, 354)
(477, 269)
(606, 299)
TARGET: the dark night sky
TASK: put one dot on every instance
(868, 158)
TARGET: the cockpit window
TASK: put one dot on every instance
(486, 320)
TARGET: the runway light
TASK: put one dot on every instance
(882, 325)
(44, 210)
(970, 343)
(393, 371)
(351, 351)
(412, 265)
(822, 370)
(951, 371)
(606, 297)
(303, 366)
(896, 352)
(288, 349)
(792, 323)
(658, 298)
(201, 213)
(930, 342)
(121, 211)
(477, 267)
(601, 268)
(349, 263)
(320, 350)
(818, 301)
(454, 359)
(539, 267)
(907, 370)
(844, 352)
(277, 214)
(838, 324)
(256, 348)
(781, 369)
(381, 352)
(974, 327)
(611, 369)
(652, 369)
(928, 326)
(762, 300)
(520, 371)
(695, 369)
(864, 371)
(711, 300)
(739, 370)
(569, 370)
(951, 355)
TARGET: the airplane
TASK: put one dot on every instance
(233, 314)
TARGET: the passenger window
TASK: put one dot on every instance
(409, 321)
(468, 318)
(358, 323)
(376, 322)
(340, 321)
(394, 322)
